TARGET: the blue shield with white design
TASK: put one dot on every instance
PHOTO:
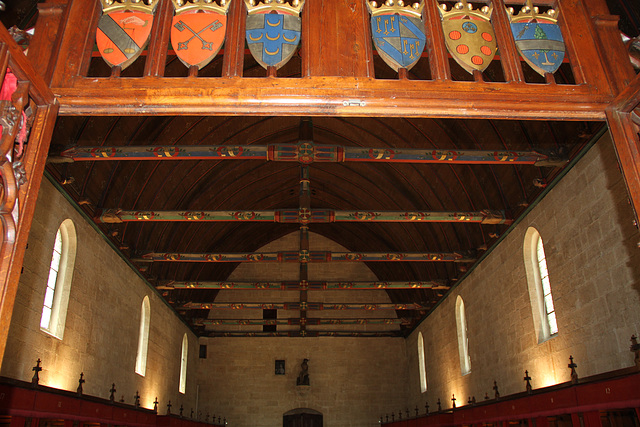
(399, 39)
(540, 44)
(273, 37)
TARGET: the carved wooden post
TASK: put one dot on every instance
(159, 40)
(13, 243)
(509, 55)
(233, 59)
(77, 40)
(624, 132)
(46, 38)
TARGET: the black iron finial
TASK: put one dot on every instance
(137, 399)
(453, 400)
(574, 374)
(155, 405)
(113, 392)
(36, 373)
(169, 408)
(439, 405)
(80, 382)
(495, 388)
(527, 378)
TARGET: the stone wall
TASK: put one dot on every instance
(352, 380)
(594, 266)
(103, 320)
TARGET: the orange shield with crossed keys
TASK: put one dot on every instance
(197, 37)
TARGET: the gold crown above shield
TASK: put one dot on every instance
(219, 6)
(530, 12)
(462, 8)
(391, 7)
(266, 6)
(146, 6)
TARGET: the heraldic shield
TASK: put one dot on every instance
(273, 37)
(123, 31)
(198, 31)
(399, 39)
(469, 36)
(538, 38)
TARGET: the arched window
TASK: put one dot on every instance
(463, 339)
(183, 365)
(143, 337)
(421, 363)
(535, 260)
(56, 297)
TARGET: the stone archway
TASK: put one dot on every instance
(302, 417)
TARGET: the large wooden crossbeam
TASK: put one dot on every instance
(310, 216)
(297, 321)
(304, 333)
(319, 306)
(307, 256)
(311, 285)
(307, 152)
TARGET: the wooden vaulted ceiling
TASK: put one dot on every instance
(188, 185)
(252, 185)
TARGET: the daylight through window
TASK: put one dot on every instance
(56, 297)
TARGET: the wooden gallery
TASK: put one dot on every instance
(306, 213)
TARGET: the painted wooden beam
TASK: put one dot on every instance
(311, 285)
(319, 306)
(304, 333)
(298, 321)
(307, 152)
(302, 216)
(308, 256)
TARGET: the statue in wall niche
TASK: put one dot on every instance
(303, 377)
